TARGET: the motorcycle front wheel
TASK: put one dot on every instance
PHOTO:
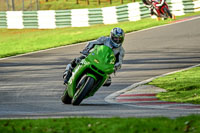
(168, 13)
(83, 87)
(65, 97)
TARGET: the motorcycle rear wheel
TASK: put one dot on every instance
(83, 87)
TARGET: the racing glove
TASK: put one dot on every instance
(85, 51)
(117, 66)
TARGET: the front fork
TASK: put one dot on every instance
(98, 84)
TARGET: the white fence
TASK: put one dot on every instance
(85, 17)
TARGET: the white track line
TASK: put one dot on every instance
(111, 98)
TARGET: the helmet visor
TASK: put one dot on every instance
(118, 39)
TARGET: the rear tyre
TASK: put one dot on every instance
(167, 12)
(65, 98)
(83, 87)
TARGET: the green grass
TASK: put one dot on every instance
(103, 125)
(71, 4)
(14, 42)
(181, 87)
(61, 4)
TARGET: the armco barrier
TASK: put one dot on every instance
(85, 17)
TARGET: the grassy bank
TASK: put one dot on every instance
(61, 4)
(14, 42)
(71, 4)
(181, 87)
(103, 125)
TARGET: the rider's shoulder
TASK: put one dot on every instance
(102, 38)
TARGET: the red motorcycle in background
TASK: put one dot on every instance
(159, 8)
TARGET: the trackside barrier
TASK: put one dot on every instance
(50, 19)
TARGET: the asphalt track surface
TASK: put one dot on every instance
(31, 85)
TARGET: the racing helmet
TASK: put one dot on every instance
(117, 37)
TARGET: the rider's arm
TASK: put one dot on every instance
(91, 44)
(120, 57)
(162, 2)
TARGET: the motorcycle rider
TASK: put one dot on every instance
(153, 9)
(114, 41)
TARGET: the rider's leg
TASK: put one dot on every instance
(70, 67)
(151, 12)
(155, 11)
(67, 73)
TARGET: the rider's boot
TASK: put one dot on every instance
(173, 16)
(158, 18)
(67, 74)
(108, 82)
(68, 71)
(151, 12)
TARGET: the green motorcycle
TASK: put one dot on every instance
(89, 75)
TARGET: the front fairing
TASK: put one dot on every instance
(103, 58)
(76, 75)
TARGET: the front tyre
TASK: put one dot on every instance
(83, 87)
(168, 13)
(65, 97)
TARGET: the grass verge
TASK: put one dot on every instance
(181, 87)
(61, 4)
(71, 4)
(14, 42)
(103, 125)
